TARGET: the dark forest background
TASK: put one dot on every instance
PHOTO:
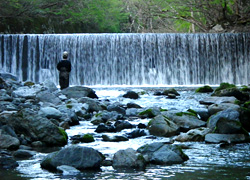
(124, 16)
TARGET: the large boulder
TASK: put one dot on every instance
(78, 157)
(28, 92)
(46, 96)
(185, 120)
(7, 161)
(7, 141)
(93, 105)
(225, 138)
(232, 92)
(50, 85)
(214, 108)
(245, 118)
(8, 76)
(218, 100)
(50, 112)
(128, 159)
(161, 153)
(225, 122)
(162, 126)
(37, 128)
(79, 92)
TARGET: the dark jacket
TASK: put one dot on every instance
(64, 64)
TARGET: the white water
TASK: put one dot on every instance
(130, 59)
(207, 161)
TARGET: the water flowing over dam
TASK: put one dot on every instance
(129, 59)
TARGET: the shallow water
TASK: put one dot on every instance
(207, 161)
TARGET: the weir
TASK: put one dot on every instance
(130, 59)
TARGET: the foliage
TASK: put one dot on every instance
(81, 16)
(54, 16)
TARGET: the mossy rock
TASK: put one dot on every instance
(87, 138)
(64, 134)
(204, 89)
(224, 86)
(245, 88)
(149, 113)
(171, 91)
(190, 112)
(29, 83)
(247, 104)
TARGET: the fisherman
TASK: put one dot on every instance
(64, 68)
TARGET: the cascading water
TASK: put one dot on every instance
(130, 59)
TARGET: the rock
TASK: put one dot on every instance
(46, 96)
(67, 170)
(171, 91)
(217, 28)
(133, 105)
(105, 116)
(131, 95)
(202, 113)
(193, 135)
(77, 92)
(225, 122)
(37, 144)
(7, 106)
(136, 133)
(120, 125)
(142, 126)
(184, 120)
(132, 112)
(171, 96)
(8, 142)
(218, 100)
(37, 128)
(86, 138)
(245, 118)
(128, 159)
(6, 161)
(225, 138)
(162, 126)
(115, 138)
(242, 96)
(214, 108)
(6, 129)
(78, 157)
(116, 108)
(4, 96)
(150, 112)
(22, 153)
(27, 92)
(158, 93)
(93, 105)
(50, 86)
(105, 128)
(50, 112)
(161, 153)
(8, 76)
(204, 89)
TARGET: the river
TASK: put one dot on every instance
(206, 161)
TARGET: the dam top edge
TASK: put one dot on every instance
(122, 34)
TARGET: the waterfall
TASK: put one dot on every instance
(129, 59)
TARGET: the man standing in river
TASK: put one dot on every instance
(64, 68)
